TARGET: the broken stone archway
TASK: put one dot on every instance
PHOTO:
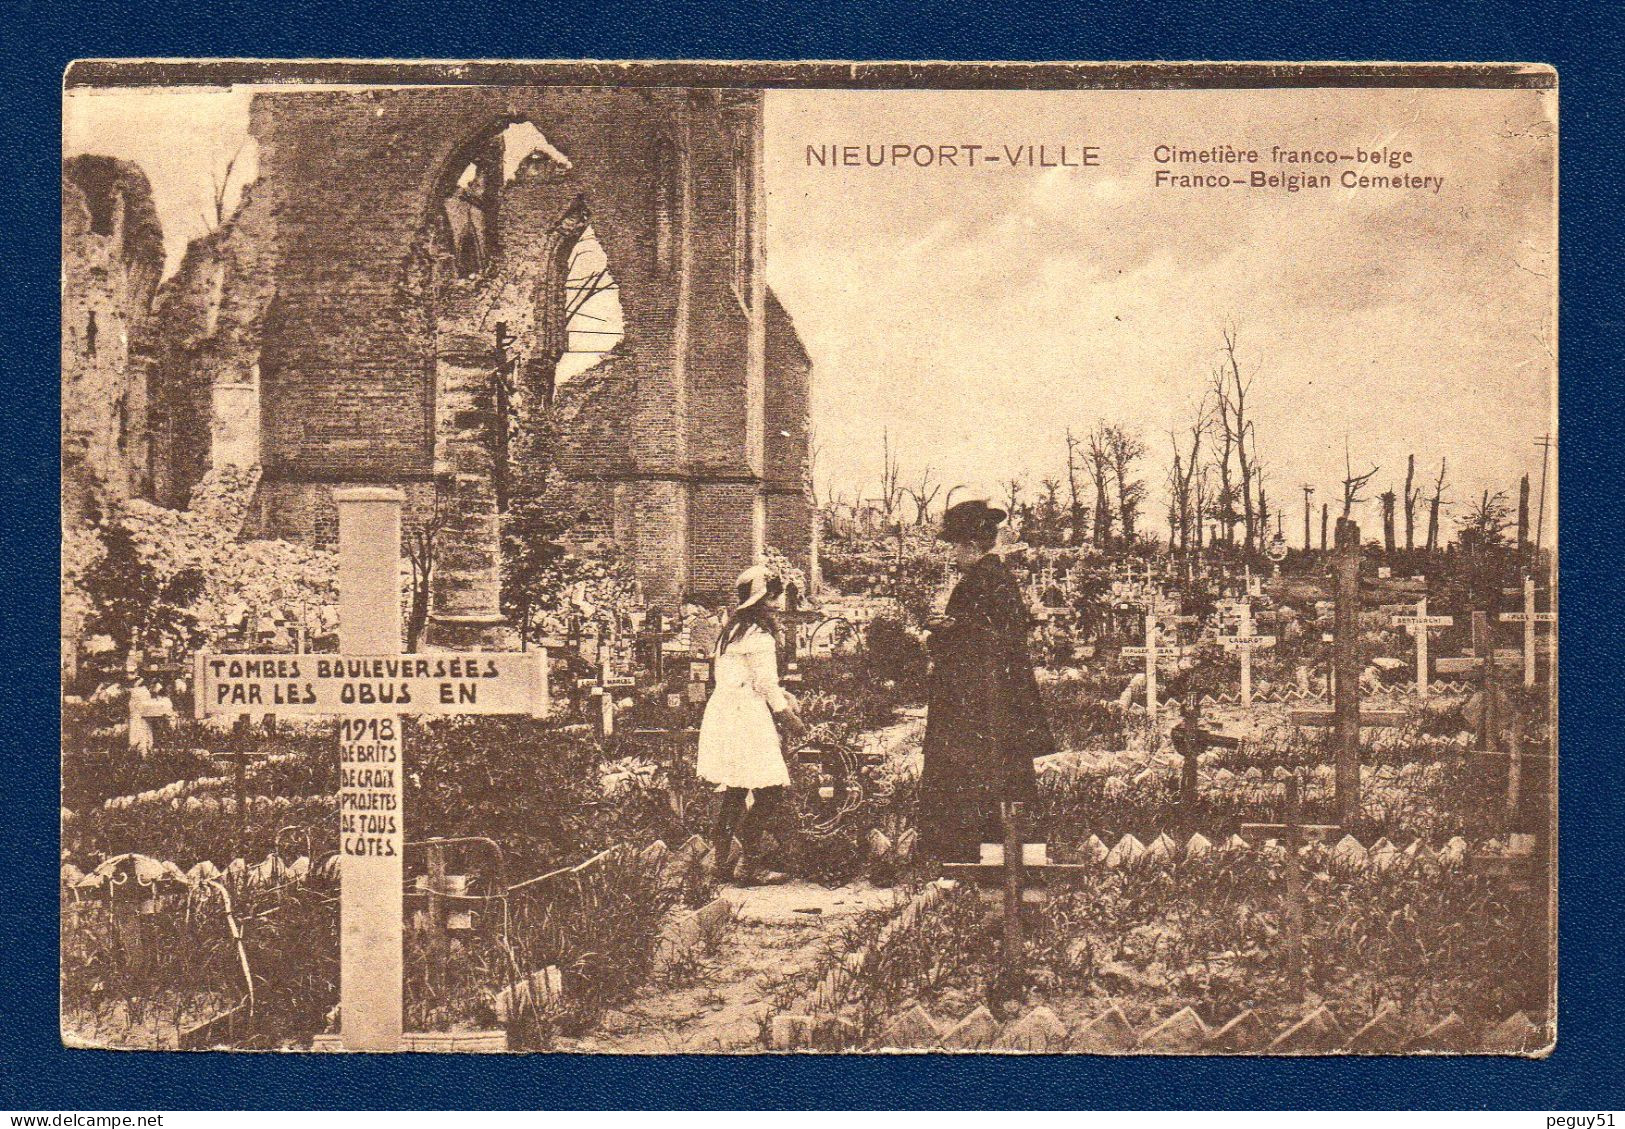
(417, 246)
(512, 292)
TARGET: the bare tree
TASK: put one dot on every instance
(1043, 519)
(1389, 500)
(1125, 448)
(1353, 483)
(1263, 510)
(1412, 495)
(1523, 515)
(815, 455)
(1308, 495)
(1485, 523)
(1181, 483)
(923, 495)
(1199, 506)
(1434, 505)
(1224, 443)
(1232, 391)
(1075, 495)
(1012, 496)
(420, 551)
(221, 188)
(891, 489)
(1099, 468)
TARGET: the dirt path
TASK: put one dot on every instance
(718, 997)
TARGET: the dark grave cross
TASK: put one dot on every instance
(1485, 661)
(1345, 719)
(1023, 872)
(1294, 892)
(657, 645)
(1192, 741)
(1483, 652)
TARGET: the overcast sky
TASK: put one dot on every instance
(975, 314)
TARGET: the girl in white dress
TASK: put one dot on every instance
(739, 739)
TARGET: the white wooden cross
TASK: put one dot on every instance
(1152, 653)
(1418, 623)
(1149, 653)
(1246, 642)
(1529, 617)
(368, 686)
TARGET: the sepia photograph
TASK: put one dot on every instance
(768, 558)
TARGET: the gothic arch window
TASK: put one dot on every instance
(469, 219)
(593, 320)
(578, 319)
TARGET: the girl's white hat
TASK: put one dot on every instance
(757, 577)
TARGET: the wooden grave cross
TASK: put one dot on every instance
(1246, 642)
(1024, 872)
(1152, 653)
(1419, 623)
(368, 685)
(1529, 617)
(1192, 741)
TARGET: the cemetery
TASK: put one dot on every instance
(555, 883)
(402, 517)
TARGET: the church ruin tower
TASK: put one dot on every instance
(425, 260)
(112, 258)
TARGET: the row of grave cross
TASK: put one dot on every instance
(1415, 620)
(1418, 622)
(1154, 650)
(1023, 869)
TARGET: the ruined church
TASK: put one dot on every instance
(413, 271)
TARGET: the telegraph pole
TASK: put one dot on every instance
(1308, 493)
(1545, 443)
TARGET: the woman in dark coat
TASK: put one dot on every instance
(985, 722)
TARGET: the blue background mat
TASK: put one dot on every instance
(1584, 43)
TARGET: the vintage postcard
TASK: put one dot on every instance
(643, 558)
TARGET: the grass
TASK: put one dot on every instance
(1208, 934)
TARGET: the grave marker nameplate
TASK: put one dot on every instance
(368, 685)
(1529, 617)
(1418, 623)
(1246, 642)
(1151, 653)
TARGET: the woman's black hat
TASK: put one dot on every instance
(970, 521)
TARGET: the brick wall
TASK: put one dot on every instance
(789, 527)
(208, 324)
(724, 535)
(370, 328)
(305, 511)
